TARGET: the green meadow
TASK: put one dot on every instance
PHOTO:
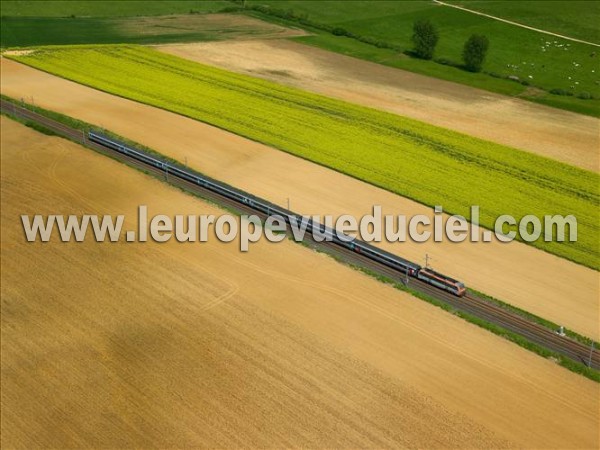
(106, 8)
(574, 18)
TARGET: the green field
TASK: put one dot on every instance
(416, 160)
(574, 18)
(34, 31)
(106, 8)
(29, 23)
(31, 31)
(541, 61)
(26, 24)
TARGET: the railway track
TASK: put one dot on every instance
(470, 304)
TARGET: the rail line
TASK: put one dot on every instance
(470, 303)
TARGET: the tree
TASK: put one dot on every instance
(474, 52)
(425, 37)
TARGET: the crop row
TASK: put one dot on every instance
(428, 164)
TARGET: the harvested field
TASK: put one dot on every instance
(503, 271)
(197, 345)
(561, 135)
(217, 26)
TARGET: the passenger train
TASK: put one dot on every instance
(409, 268)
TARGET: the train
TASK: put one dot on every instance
(395, 262)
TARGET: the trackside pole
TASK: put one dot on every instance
(591, 352)
(427, 259)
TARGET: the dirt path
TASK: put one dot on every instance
(186, 345)
(557, 289)
(517, 24)
(562, 135)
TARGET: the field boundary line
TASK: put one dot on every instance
(539, 30)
